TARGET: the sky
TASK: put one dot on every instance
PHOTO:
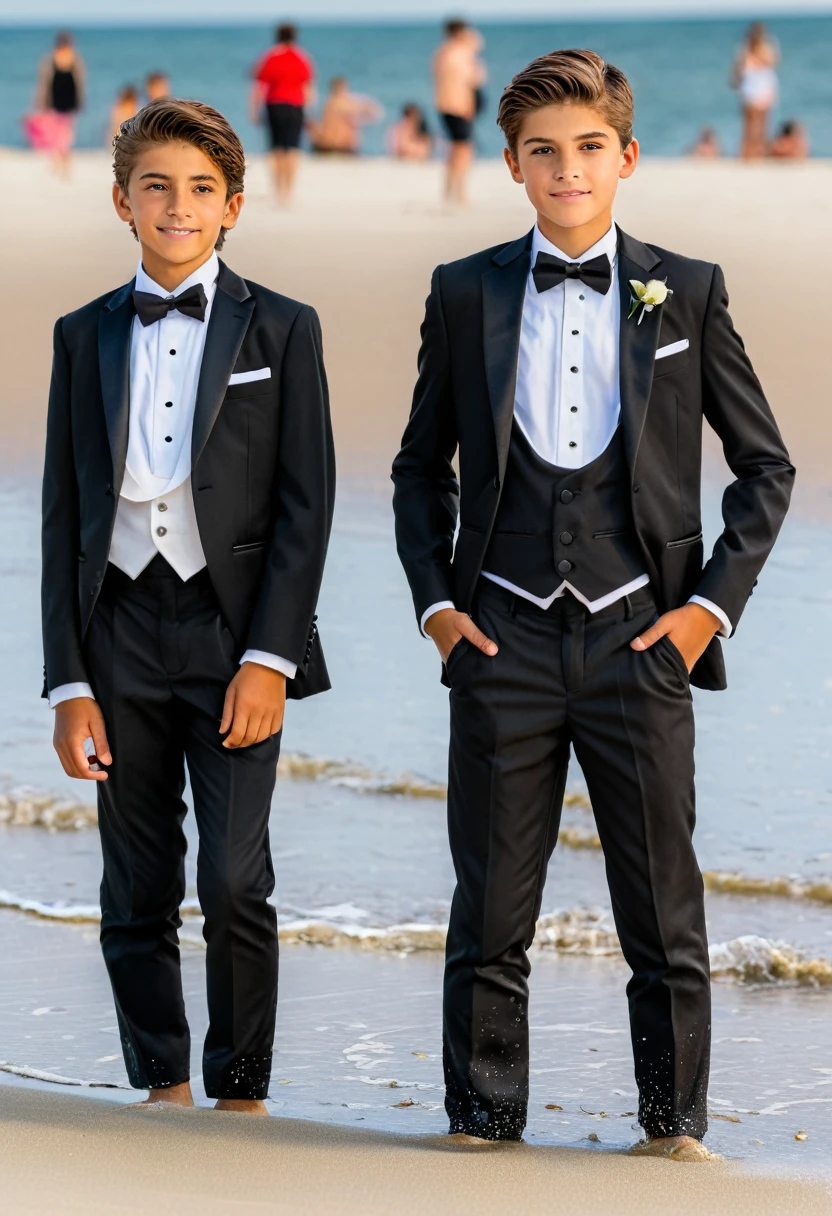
(109, 12)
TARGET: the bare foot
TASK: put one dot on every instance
(242, 1106)
(672, 1148)
(174, 1095)
(464, 1140)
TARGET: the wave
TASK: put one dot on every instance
(731, 883)
(75, 914)
(37, 1074)
(27, 807)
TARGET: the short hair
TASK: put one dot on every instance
(64, 38)
(562, 77)
(172, 120)
(286, 32)
(455, 26)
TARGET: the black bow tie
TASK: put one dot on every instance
(549, 271)
(151, 307)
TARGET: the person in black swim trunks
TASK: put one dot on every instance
(458, 79)
(58, 98)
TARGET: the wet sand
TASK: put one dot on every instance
(361, 243)
(91, 1157)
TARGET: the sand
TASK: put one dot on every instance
(61, 1155)
(361, 243)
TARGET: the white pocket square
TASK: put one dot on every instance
(262, 373)
(673, 349)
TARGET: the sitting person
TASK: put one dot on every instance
(790, 142)
(707, 145)
(339, 130)
(410, 137)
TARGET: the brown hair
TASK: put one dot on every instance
(171, 120)
(562, 77)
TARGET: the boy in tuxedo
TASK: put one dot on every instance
(576, 608)
(187, 503)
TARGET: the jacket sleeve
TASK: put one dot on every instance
(60, 535)
(304, 488)
(755, 503)
(426, 490)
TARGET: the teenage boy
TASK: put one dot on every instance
(187, 503)
(576, 401)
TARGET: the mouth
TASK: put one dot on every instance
(569, 195)
(177, 233)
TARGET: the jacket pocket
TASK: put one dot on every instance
(610, 532)
(684, 540)
(249, 548)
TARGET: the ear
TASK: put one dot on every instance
(629, 159)
(121, 202)
(513, 166)
(232, 210)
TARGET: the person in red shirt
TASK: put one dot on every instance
(283, 84)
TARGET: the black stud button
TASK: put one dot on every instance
(168, 439)
(575, 333)
(566, 538)
(581, 297)
(573, 409)
(572, 443)
(168, 404)
(564, 567)
(573, 369)
(173, 352)
(566, 495)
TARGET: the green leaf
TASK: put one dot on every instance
(633, 308)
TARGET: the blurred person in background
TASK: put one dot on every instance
(284, 85)
(754, 76)
(156, 85)
(707, 145)
(410, 137)
(59, 96)
(126, 104)
(344, 114)
(790, 143)
(458, 79)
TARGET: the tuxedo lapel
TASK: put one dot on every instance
(637, 342)
(227, 326)
(503, 292)
(114, 327)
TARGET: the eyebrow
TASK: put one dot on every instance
(195, 177)
(536, 139)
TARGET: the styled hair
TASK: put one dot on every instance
(286, 32)
(562, 77)
(171, 120)
(454, 26)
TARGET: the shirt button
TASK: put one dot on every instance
(168, 439)
(573, 369)
(572, 443)
(566, 495)
(573, 409)
(575, 333)
(163, 506)
(566, 538)
(161, 531)
(581, 297)
(564, 567)
(168, 404)
(173, 352)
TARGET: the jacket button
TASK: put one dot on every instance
(566, 538)
(636, 489)
(566, 495)
(496, 483)
(564, 567)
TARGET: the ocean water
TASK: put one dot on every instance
(678, 68)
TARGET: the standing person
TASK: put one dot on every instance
(59, 97)
(344, 114)
(754, 75)
(125, 106)
(458, 79)
(284, 84)
(156, 85)
(576, 607)
(410, 137)
(187, 503)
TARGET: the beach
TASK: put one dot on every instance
(363, 876)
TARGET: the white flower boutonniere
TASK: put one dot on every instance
(648, 296)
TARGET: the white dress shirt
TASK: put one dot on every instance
(569, 419)
(155, 511)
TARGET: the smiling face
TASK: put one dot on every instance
(570, 160)
(176, 202)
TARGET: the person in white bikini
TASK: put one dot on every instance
(754, 75)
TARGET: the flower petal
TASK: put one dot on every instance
(638, 288)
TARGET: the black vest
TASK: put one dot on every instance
(554, 524)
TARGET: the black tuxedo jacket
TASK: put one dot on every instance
(464, 398)
(262, 473)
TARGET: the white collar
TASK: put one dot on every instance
(608, 244)
(206, 274)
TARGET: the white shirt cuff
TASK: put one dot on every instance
(430, 611)
(287, 669)
(727, 628)
(66, 692)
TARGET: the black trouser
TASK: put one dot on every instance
(160, 660)
(566, 677)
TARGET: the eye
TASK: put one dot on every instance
(157, 186)
(591, 147)
(543, 150)
(204, 190)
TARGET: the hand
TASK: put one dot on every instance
(447, 626)
(76, 720)
(254, 705)
(690, 629)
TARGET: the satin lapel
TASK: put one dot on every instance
(114, 328)
(503, 292)
(637, 344)
(227, 326)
